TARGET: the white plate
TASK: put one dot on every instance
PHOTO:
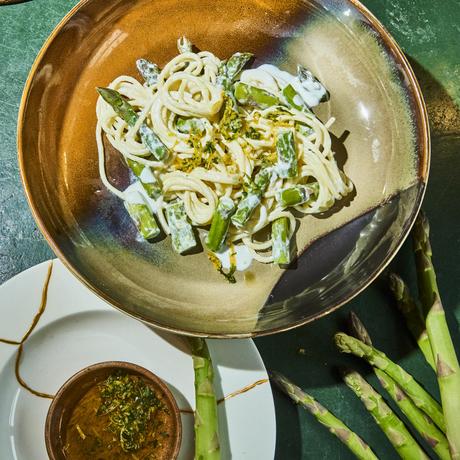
(78, 329)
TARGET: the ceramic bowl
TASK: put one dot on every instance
(79, 384)
(380, 137)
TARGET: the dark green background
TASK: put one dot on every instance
(428, 32)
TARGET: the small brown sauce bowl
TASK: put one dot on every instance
(78, 385)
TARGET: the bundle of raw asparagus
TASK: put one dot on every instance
(438, 425)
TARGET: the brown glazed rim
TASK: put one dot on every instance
(424, 133)
(61, 399)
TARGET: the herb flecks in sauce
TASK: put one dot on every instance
(119, 418)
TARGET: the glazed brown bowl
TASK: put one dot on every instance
(60, 410)
(380, 137)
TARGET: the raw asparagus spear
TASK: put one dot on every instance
(395, 430)
(422, 399)
(280, 239)
(148, 71)
(182, 235)
(292, 196)
(206, 427)
(447, 367)
(326, 418)
(413, 316)
(423, 424)
(146, 178)
(125, 111)
(229, 70)
(249, 203)
(141, 215)
(287, 155)
(220, 223)
(184, 45)
(253, 96)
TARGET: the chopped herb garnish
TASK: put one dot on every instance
(230, 124)
(130, 404)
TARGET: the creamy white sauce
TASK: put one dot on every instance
(136, 192)
(243, 257)
(272, 79)
(147, 176)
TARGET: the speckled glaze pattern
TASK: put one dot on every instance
(381, 138)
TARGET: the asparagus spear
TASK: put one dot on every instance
(326, 418)
(141, 215)
(182, 235)
(287, 156)
(188, 125)
(447, 367)
(280, 238)
(184, 45)
(220, 223)
(146, 178)
(148, 71)
(292, 97)
(422, 399)
(292, 196)
(413, 316)
(395, 430)
(251, 95)
(125, 111)
(249, 203)
(206, 425)
(310, 83)
(229, 71)
(423, 424)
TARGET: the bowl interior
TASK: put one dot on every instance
(380, 139)
(77, 386)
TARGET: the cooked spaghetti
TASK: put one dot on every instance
(226, 150)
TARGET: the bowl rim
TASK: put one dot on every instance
(154, 379)
(424, 168)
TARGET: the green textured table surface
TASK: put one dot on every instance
(428, 31)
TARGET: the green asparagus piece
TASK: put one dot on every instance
(220, 223)
(422, 399)
(125, 111)
(189, 125)
(182, 235)
(153, 142)
(280, 239)
(146, 178)
(229, 70)
(292, 97)
(249, 203)
(184, 45)
(287, 155)
(413, 316)
(395, 430)
(121, 106)
(292, 196)
(253, 96)
(423, 424)
(447, 367)
(206, 423)
(312, 85)
(148, 71)
(326, 418)
(142, 215)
